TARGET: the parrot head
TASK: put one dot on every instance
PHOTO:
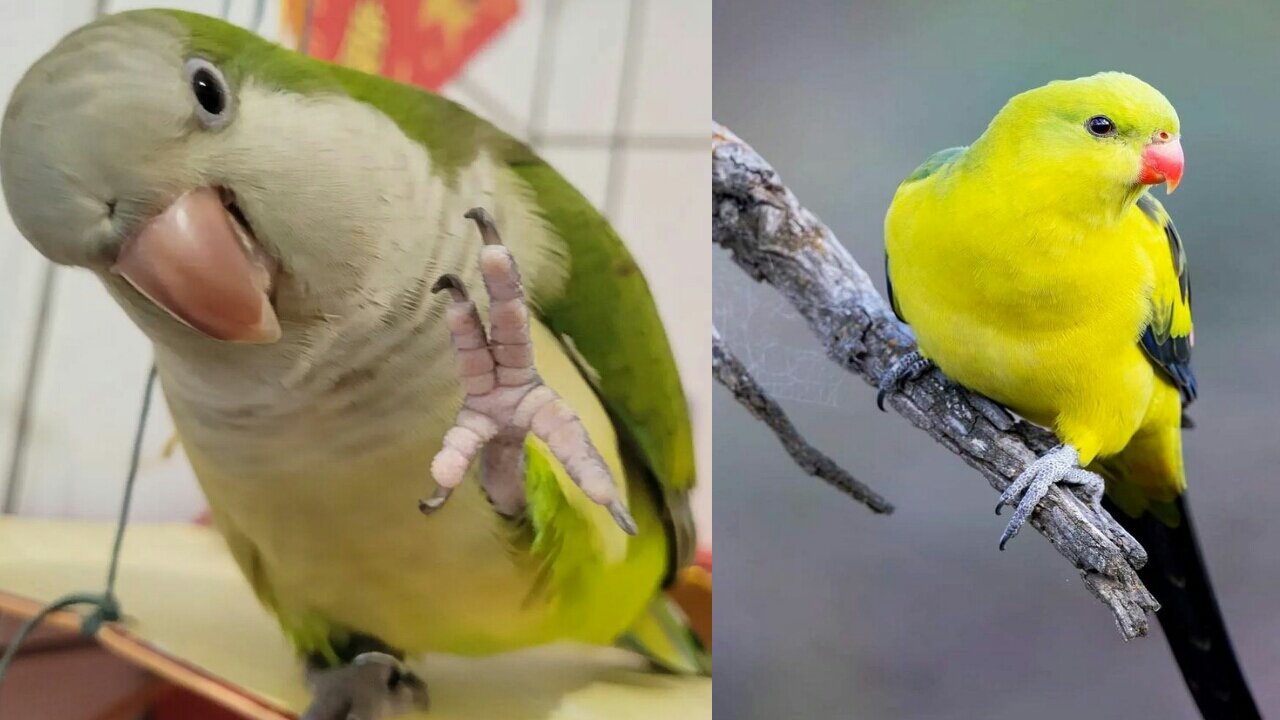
(202, 172)
(1109, 135)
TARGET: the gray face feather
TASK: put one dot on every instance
(93, 140)
(106, 131)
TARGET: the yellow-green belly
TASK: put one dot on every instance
(342, 545)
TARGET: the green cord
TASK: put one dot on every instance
(106, 608)
(135, 457)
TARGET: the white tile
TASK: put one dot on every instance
(586, 168)
(87, 403)
(673, 84)
(490, 106)
(21, 271)
(505, 67)
(588, 44)
(242, 13)
(272, 21)
(206, 7)
(27, 31)
(665, 219)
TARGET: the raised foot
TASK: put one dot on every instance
(505, 398)
(373, 686)
(908, 367)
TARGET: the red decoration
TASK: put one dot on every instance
(423, 42)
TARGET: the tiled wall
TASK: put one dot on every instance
(616, 93)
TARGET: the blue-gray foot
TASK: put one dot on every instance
(908, 367)
(373, 686)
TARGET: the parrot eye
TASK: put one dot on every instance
(213, 97)
(1100, 126)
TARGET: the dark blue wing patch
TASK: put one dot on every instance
(1171, 355)
(888, 286)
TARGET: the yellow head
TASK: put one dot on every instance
(1102, 138)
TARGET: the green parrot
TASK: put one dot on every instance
(297, 240)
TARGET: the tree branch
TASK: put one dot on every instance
(731, 373)
(775, 240)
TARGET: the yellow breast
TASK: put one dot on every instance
(1038, 313)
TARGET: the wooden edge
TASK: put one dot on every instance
(135, 704)
(117, 640)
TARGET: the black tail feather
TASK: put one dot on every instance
(1189, 615)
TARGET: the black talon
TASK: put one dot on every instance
(1006, 536)
(436, 501)
(484, 221)
(908, 367)
(453, 284)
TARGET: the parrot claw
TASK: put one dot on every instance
(622, 516)
(436, 501)
(453, 284)
(373, 686)
(506, 400)
(908, 367)
(488, 228)
(1059, 465)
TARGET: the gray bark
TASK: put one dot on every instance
(732, 374)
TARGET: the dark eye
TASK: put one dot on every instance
(208, 92)
(213, 97)
(1101, 126)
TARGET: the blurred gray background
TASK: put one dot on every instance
(835, 612)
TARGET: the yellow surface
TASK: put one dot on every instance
(191, 617)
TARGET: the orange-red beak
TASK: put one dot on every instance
(1162, 161)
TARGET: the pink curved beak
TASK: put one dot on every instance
(196, 262)
(1162, 162)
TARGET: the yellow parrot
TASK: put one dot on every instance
(1035, 269)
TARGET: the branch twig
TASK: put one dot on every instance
(731, 373)
(775, 240)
